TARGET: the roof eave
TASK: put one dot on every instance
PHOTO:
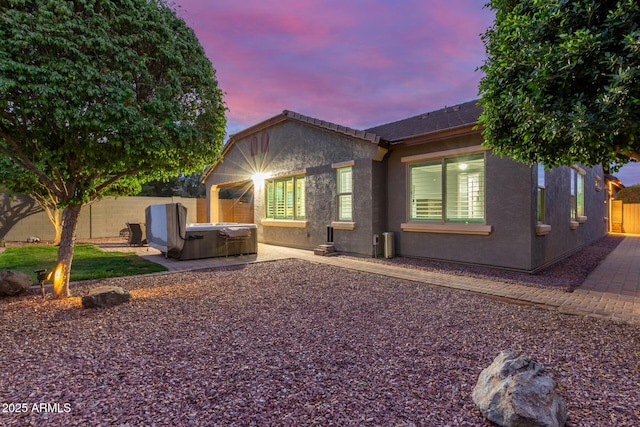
(461, 130)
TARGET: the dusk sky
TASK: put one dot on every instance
(358, 63)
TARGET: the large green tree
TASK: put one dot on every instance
(98, 96)
(562, 81)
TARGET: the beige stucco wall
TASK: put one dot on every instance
(21, 218)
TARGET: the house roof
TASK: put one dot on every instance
(368, 136)
(291, 115)
(444, 119)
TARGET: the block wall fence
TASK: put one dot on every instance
(21, 217)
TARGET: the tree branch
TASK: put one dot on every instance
(23, 161)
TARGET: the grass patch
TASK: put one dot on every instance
(89, 262)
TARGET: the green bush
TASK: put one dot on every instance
(629, 194)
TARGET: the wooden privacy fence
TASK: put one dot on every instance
(625, 217)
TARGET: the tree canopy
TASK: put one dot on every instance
(100, 96)
(562, 81)
(629, 194)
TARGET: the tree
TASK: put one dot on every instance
(562, 81)
(182, 185)
(629, 194)
(99, 96)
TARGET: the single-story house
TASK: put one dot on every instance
(427, 179)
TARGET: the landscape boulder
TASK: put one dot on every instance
(13, 282)
(515, 391)
(105, 296)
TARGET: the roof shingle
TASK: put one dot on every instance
(434, 121)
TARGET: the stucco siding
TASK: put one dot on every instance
(507, 210)
(506, 235)
(562, 240)
(294, 147)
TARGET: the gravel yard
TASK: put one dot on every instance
(295, 343)
(567, 274)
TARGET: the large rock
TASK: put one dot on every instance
(105, 296)
(13, 282)
(515, 391)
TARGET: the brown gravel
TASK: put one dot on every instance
(294, 343)
(567, 274)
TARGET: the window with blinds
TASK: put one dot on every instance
(449, 190)
(285, 198)
(426, 191)
(345, 194)
(300, 197)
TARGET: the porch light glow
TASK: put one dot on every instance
(462, 166)
(258, 179)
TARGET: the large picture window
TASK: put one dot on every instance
(448, 190)
(285, 198)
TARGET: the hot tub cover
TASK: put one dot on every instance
(235, 232)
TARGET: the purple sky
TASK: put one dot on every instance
(358, 63)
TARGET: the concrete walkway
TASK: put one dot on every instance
(612, 291)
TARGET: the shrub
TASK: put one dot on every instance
(629, 194)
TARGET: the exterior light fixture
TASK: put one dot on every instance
(463, 166)
(258, 179)
(43, 276)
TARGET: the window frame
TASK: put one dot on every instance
(293, 203)
(577, 206)
(447, 203)
(343, 194)
(541, 196)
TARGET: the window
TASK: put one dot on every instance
(345, 194)
(576, 196)
(448, 190)
(541, 189)
(580, 194)
(285, 198)
(426, 191)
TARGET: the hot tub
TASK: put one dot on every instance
(168, 232)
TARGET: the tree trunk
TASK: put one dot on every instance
(65, 251)
(56, 221)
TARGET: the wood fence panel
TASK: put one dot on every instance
(631, 218)
(616, 216)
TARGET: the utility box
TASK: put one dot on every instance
(389, 245)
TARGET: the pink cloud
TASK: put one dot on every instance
(359, 63)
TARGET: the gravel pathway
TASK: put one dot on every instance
(294, 343)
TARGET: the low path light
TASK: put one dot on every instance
(43, 276)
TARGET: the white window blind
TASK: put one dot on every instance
(300, 197)
(345, 194)
(465, 189)
(450, 190)
(426, 191)
(285, 198)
